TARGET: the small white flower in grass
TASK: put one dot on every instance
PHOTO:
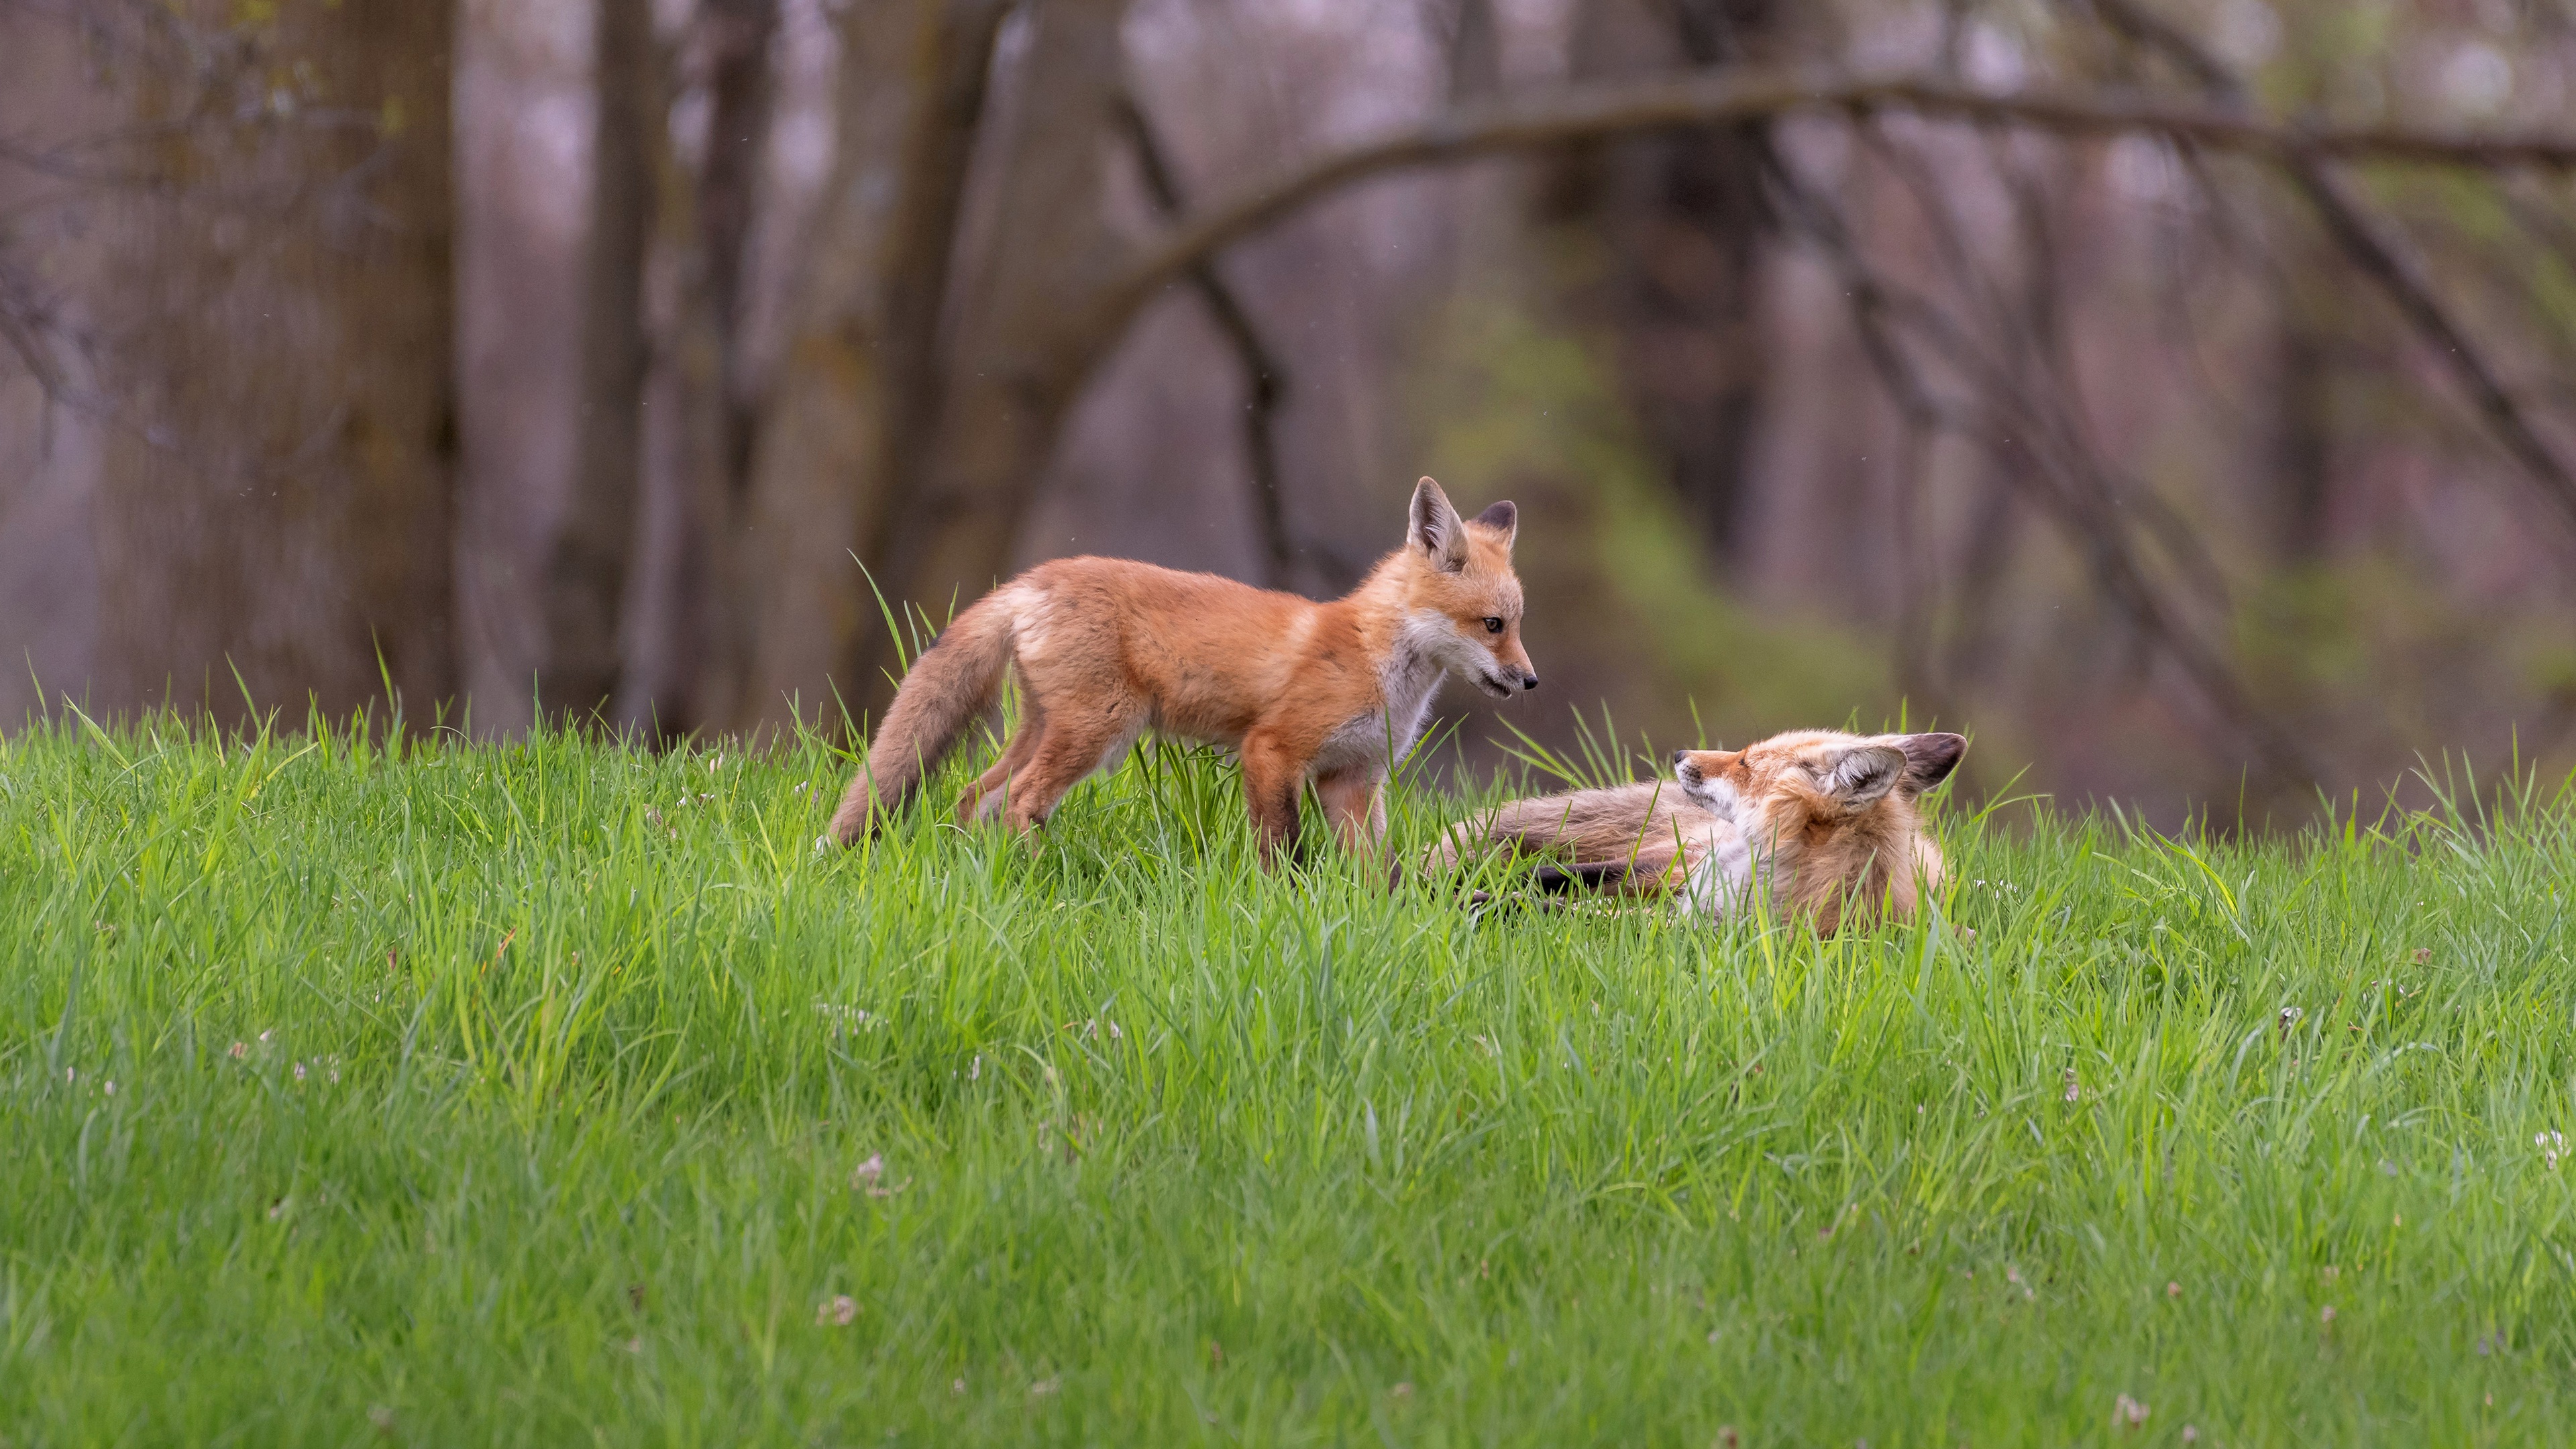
(2552, 1145)
(2074, 1089)
(299, 1071)
(2173, 1290)
(381, 1417)
(838, 1311)
(111, 1086)
(240, 1049)
(1402, 1391)
(2326, 1315)
(867, 1176)
(2127, 1413)
(956, 1386)
(1046, 1386)
(2190, 1435)
(822, 845)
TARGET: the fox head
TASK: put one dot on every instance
(1462, 602)
(1833, 814)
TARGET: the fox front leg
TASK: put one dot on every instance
(1356, 804)
(1273, 775)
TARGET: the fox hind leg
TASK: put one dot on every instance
(1072, 746)
(989, 792)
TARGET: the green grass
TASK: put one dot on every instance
(473, 1094)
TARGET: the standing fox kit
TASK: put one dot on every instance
(1328, 694)
(1827, 819)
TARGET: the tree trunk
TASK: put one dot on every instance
(707, 217)
(741, 91)
(847, 416)
(277, 498)
(1022, 354)
(1684, 217)
(586, 570)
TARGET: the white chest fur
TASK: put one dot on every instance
(1406, 684)
(1722, 879)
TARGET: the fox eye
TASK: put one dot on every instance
(1493, 625)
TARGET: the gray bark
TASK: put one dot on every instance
(275, 498)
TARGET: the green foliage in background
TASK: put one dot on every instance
(554, 1093)
(1632, 616)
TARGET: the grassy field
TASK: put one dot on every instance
(557, 1093)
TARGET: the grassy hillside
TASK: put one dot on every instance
(555, 1093)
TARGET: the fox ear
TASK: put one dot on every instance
(1863, 773)
(1503, 518)
(1436, 528)
(1929, 759)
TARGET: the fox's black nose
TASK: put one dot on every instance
(1679, 756)
(1529, 681)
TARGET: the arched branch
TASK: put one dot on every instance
(1588, 112)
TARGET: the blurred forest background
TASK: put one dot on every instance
(2174, 393)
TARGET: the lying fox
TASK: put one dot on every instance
(1328, 694)
(1827, 819)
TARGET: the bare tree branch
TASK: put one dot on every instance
(1589, 111)
(2030, 446)
(1265, 379)
(2381, 257)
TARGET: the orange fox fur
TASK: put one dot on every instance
(1828, 821)
(1106, 649)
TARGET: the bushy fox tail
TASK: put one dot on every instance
(1610, 839)
(956, 679)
